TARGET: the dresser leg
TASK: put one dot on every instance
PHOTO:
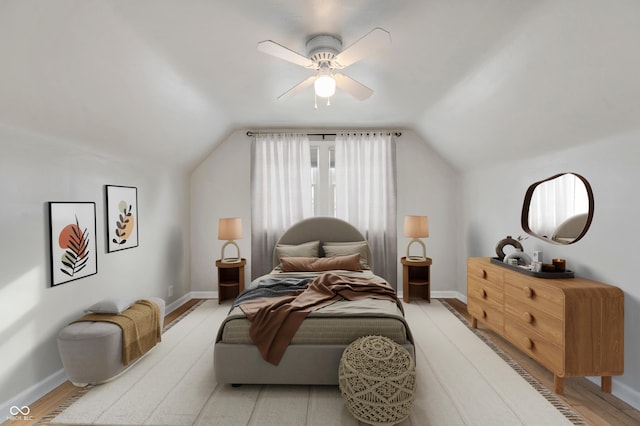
(558, 384)
(474, 322)
(605, 384)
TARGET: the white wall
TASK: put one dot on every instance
(221, 186)
(35, 170)
(428, 185)
(493, 201)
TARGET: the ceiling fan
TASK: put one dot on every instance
(325, 56)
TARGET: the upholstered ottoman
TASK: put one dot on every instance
(377, 379)
(91, 352)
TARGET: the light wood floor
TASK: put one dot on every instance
(583, 396)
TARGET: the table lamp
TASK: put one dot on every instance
(230, 229)
(416, 227)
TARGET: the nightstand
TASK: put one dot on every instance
(230, 279)
(416, 279)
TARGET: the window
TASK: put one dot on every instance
(323, 178)
(280, 196)
(351, 177)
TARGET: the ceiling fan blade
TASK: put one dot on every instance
(349, 85)
(298, 87)
(377, 40)
(279, 51)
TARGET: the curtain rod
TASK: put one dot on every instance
(251, 133)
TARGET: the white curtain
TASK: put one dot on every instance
(366, 194)
(280, 192)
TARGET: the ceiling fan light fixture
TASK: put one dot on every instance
(326, 55)
(325, 86)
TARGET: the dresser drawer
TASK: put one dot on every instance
(484, 290)
(539, 296)
(485, 272)
(536, 346)
(527, 316)
(487, 312)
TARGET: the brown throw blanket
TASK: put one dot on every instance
(274, 321)
(140, 326)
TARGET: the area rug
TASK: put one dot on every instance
(460, 381)
(553, 399)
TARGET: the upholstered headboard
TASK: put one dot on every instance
(321, 228)
(571, 228)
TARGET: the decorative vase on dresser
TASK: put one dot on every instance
(573, 326)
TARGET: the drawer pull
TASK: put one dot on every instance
(484, 313)
(483, 293)
(527, 317)
(528, 292)
(528, 343)
(484, 274)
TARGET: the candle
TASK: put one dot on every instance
(560, 264)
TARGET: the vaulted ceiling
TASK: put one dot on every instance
(166, 80)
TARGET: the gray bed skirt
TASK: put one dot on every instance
(300, 365)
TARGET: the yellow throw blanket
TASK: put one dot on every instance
(140, 326)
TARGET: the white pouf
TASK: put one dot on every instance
(91, 352)
(377, 379)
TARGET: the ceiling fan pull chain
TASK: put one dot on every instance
(315, 101)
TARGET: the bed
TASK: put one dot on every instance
(313, 356)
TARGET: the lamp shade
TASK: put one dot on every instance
(229, 228)
(416, 226)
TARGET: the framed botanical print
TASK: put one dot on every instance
(72, 230)
(122, 217)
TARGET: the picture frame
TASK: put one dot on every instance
(122, 217)
(73, 247)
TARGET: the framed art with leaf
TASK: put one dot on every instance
(122, 217)
(72, 229)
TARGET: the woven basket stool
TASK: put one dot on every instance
(377, 379)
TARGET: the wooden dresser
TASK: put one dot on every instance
(573, 326)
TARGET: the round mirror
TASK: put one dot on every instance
(558, 209)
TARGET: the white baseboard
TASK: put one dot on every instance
(32, 394)
(214, 295)
(627, 394)
(177, 303)
(191, 295)
(443, 295)
(204, 294)
(449, 295)
(621, 391)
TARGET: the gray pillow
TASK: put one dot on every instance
(111, 306)
(310, 249)
(332, 249)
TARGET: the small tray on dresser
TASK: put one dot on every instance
(565, 274)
